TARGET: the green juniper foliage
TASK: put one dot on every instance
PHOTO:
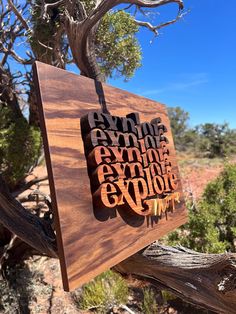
(179, 124)
(149, 305)
(216, 140)
(118, 53)
(44, 33)
(212, 222)
(209, 140)
(117, 48)
(103, 293)
(20, 146)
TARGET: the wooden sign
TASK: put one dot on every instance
(128, 164)
(113, 176)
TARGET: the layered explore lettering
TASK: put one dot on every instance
(129, 163)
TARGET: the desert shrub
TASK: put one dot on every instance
(103, 293)
(20, 146)
(185, 138)
(167, 296)
(24, 285)
(9, 299)
(149, 305)
(211, 227)
(216, 140)
(205, 140)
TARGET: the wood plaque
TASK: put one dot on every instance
(113, 176)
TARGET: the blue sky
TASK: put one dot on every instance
(192, 64)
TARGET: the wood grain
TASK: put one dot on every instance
(90, 242)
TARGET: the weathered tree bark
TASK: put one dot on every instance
(33, 230)
(206, 280)
(5, 237)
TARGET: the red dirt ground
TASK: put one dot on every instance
(195, 179)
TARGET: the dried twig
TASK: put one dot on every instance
(19, 15)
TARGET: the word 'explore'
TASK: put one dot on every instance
(129, 163)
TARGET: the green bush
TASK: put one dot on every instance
(103, 293)
(211, 227)
(20, 146)
(118, 50)
(149, 305)
(205, 140)
(216, 140)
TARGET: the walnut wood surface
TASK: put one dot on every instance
(90, 244)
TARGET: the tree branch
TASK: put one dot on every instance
(18, 15)
(159, 26)
(28, 185)
(147, 25)
(31, 229)
(18, 58)
(46, 6)
(154, 4)
(107, 5)
(81, 34)
(6, 249)
(207, 280)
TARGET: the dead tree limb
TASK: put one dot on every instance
(18, 15)
(208, 280)
(33, 230)
(28, 185)
(156, 28)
